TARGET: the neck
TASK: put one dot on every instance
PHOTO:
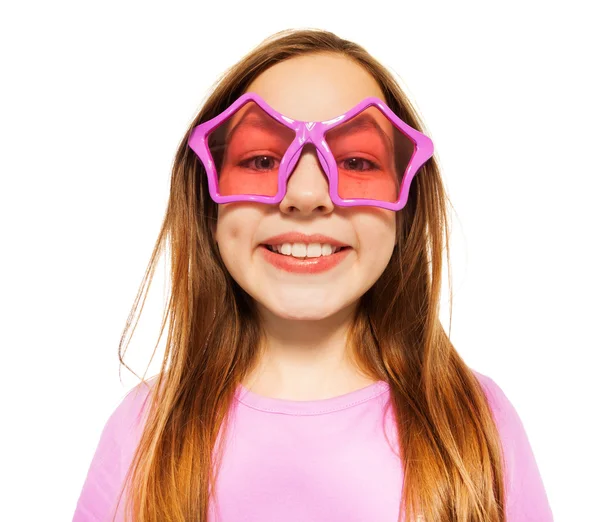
(306, 359)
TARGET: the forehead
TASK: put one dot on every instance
(315, 87)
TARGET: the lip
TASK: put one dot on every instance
(309, 265)
(299, 237)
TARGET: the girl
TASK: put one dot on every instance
(307, 376)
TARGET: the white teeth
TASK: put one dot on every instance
(313, 250)
(327, 250)
(302, 250)
(299, 250)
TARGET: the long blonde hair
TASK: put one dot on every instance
(449, 444)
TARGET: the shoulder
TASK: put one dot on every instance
(134, 405)
(526, 495)
(505, 414)
(128, 415)
(508, 421)
(502, 408)
(113, 454)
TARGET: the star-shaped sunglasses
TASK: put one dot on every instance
(368, 154)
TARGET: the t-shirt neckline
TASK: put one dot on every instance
(314, 407)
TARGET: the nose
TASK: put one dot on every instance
(307, 187)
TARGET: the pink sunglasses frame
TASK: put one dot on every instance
(310, 132)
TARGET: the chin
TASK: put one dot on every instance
(304, 310)
(302, 315)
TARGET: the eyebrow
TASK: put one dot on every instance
(362, 122)
(256, 118)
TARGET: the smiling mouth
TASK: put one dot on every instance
(336, 250)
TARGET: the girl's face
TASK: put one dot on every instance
(309, 88)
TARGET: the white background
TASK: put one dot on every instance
(95, 98)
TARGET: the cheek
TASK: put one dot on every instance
(235, 230)
(376, 232)
(229, 231)
(376, 248)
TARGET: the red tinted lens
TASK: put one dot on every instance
(371, 156)
(247, 149)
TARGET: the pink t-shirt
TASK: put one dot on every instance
(331, 460)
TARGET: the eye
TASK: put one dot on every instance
(261, 163)
(358, 164)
